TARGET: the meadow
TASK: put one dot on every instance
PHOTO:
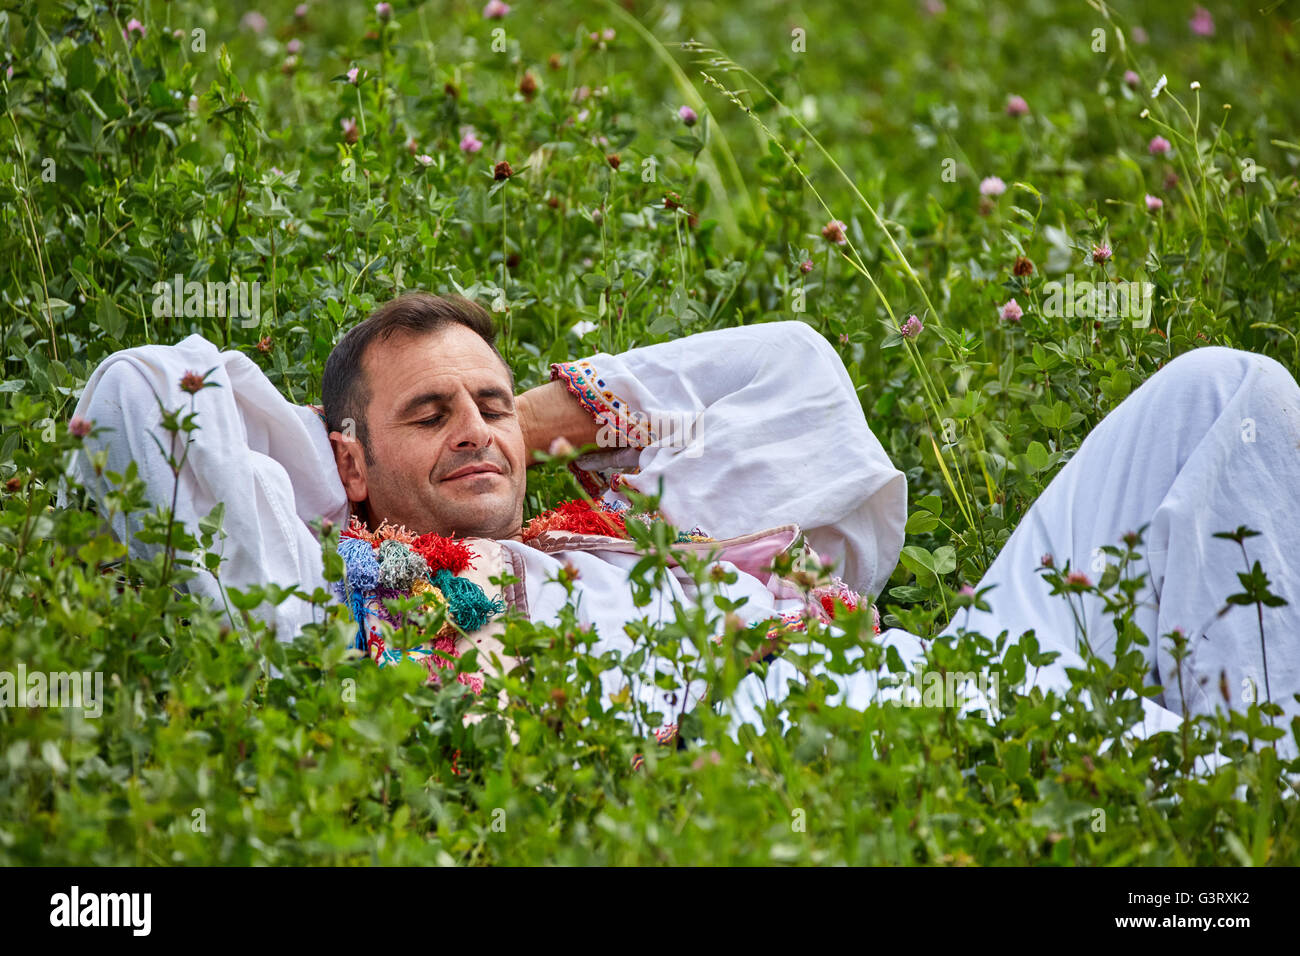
(918, 181)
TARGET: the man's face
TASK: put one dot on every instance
(447, 452)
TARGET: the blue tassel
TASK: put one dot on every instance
(358, 606)
(360, 565)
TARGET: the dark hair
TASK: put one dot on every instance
(345, 393)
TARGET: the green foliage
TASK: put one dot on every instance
(205, 149)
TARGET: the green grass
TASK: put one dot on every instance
(125, 164)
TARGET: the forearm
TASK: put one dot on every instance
(550, 411)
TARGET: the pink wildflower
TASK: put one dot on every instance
(1202, 23)
(833, 231)
(992, 186)
(1159, 146)
(1011, 312)
(1016, 106)
(469, 143)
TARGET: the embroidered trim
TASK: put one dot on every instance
(602, 404)
(517, 594)
(592, 484)
(595, 481)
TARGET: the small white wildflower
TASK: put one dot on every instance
(1160, 85)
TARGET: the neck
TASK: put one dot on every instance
(361, 511)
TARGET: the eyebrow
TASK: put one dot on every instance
(486, 393)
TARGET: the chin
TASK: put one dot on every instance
(478, 518)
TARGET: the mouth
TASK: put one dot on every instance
(477, 470)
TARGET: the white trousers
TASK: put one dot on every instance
(1209, 443)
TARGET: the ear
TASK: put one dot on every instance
(350, 461)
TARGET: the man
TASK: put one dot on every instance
(756, 435)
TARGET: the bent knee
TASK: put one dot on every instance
(1219, 367)
(1214, 361)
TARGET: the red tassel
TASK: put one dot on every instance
(443, 554)
(578, 517)
(356, 529)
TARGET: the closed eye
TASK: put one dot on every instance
(437, 419)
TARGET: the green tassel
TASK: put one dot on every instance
(470, 607)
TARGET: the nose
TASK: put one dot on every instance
(469, 431)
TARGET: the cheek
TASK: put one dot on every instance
(413, 458)
(511, 441)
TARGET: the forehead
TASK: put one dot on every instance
(410, 363)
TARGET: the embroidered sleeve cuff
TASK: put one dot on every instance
(622, 425)
(630, 428)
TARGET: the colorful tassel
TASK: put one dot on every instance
(399, 566)
(443, 554)
(385, 532)
(391, 563)
(470, 607)
(579, 517)
(360, 566)
(837, 590)
(433, 602)
(358, 608)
